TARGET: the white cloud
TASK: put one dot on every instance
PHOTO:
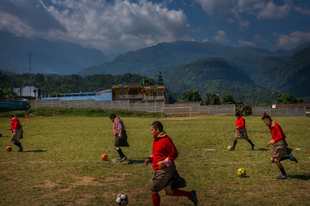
(262, 9)
(209, 6)
(302, 10)
(205, 40)
(272, 11)
(246, 43)
(244, 25)
(231, 20)
(118, 25)
(221, 37)
(293, 39)
(258, 38)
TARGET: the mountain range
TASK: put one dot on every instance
(278, 71)
(245, 72)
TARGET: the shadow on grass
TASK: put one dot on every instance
(136, 162)
(38, 150)
(262, 149)
(300, 177)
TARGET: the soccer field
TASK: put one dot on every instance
(61, 162)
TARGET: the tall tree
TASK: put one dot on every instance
(227, 99)
(212, 99)
(288, 98)
(160, 80)
(39, 79)
(147, 82)
(190, 96)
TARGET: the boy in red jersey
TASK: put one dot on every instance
(280, 150)
(17, 132)
(165, 174)
(241, 132)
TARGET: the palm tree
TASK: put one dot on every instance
(7, 93)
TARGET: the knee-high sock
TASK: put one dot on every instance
(156, 199)
(282, 171)
(235, 142)
(178, 192)
(250, 141)
(120, 152)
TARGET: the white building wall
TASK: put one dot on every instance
(26, 91)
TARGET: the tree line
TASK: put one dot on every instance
(56, 84)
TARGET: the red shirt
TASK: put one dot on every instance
(241, 123)
(276, 132)
(163, 148)
(15, 124)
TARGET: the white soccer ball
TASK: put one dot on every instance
(121, 199)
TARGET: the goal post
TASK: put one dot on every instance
(176, 110)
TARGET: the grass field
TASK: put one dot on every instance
(61, 162)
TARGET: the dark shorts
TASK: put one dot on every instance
(280, 149)
(167, 176)
(241, 134)
(19, 134)
(121, 142)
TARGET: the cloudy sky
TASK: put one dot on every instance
(123, 25)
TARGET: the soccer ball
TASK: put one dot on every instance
(241, 172)
(8, 148)
(104, 157)
(229, 147)
(121, 199)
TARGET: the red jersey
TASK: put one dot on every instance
(241, 123)
(163, 148)
(276, 132)
(15, 124)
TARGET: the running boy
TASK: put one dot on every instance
(280, 150)
(17, 132)
(241, 132)
(166, 175)
(120, 136)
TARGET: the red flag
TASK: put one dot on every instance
(264, 113)
(26, 116)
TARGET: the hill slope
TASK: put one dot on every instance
(214, 75)
(47, 57)
(254, 62)
(294, 75)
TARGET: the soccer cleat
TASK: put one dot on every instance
(292, 158)
(193, 197)
(20, 149)
(253, 146)
(282, 176)
(123, 159)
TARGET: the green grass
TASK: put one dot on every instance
(61, 162)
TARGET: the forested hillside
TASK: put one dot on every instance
(149, 61)
(215, 75)
(262, 66)
(294, 75)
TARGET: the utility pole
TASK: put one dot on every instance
(30, 65)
